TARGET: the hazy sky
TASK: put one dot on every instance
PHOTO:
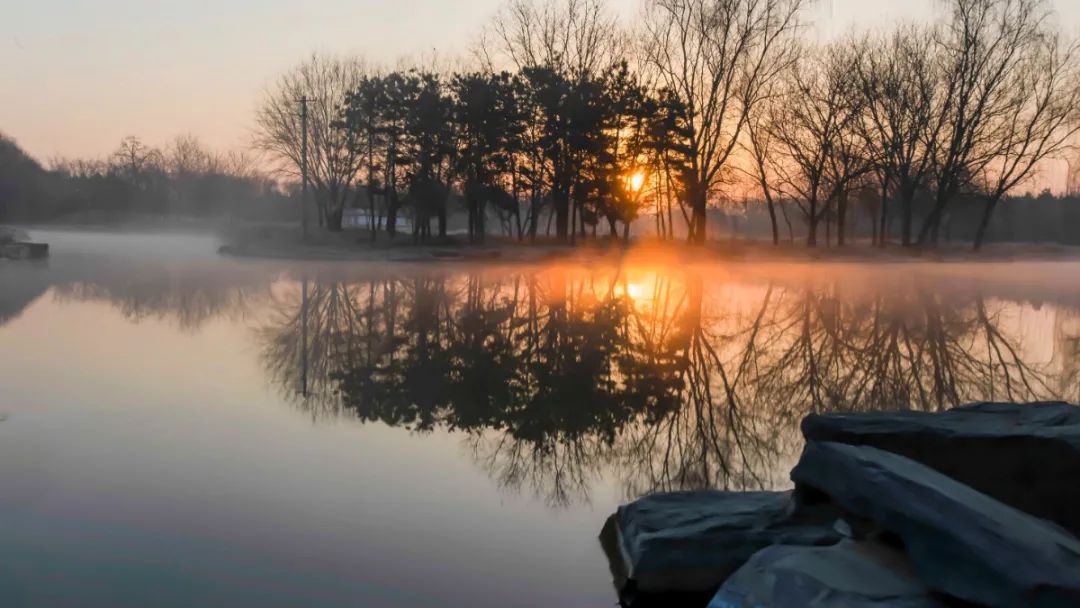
(78, 75)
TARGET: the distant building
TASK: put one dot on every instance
(353, 218)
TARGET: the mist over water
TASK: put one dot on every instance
(181, 429)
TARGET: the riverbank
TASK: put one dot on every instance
(280, 241)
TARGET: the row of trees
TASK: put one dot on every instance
(518, 143)
(578, 120)
(926, 116)
(184, 178)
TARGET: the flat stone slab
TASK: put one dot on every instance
(24, 251)
(692, 541)
(960, 542)
(848, 575)
(1025, 455)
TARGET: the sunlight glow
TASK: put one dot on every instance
(637, 180)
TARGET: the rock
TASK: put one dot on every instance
(24, 251)
(12, 235)
(961, 542)
(1016, 453)
(849, 575)
(692, 541)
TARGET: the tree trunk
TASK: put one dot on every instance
(772, 220)
(883, 231)
(873, 230)
(906, 221)
(698, 204)
(372, 223)
(573, 220)
(561, 201)
(841, 219)
(534, 219)
(932, 221)
(391, 216)
(333, 218)
(481, 220)
(984, 222)
(787, 220)
(670, 220)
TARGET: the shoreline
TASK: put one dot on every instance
(274, 241)
(657, 251)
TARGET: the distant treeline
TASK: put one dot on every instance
(697, 105)
(1027, 218)
(182, 180)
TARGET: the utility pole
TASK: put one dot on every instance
(304, 101)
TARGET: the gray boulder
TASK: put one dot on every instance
(1016, 453)
(692, 541)
(12, 235)
(960, 541)
(849, 575)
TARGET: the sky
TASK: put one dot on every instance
(79, 75)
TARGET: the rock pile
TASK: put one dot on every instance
(973, 506)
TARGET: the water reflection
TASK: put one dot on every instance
(559, 378)
(420, 399)
(662, 380)
(185, 295)
(188, 303)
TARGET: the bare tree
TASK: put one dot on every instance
(985, 48)
(134, 158)
(718, 56)
(813, 129)
(187, 161)
(759, 145)
(573, 37)
(333, 159)
(899, 78)
(186, 155)
(1044, 119)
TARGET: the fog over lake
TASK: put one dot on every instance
(269, 433)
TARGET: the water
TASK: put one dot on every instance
(178, 429)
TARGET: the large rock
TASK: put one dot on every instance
(1019, 454)
(960, 541)
(12, 235)
(692, 541)
(848, 575)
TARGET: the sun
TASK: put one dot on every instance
(637, 180)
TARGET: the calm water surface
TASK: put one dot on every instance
(178, 429)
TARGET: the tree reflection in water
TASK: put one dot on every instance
(558, 377)
(187, 298)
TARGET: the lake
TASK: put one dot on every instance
(179, 429)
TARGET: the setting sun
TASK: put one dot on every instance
(637, 180)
